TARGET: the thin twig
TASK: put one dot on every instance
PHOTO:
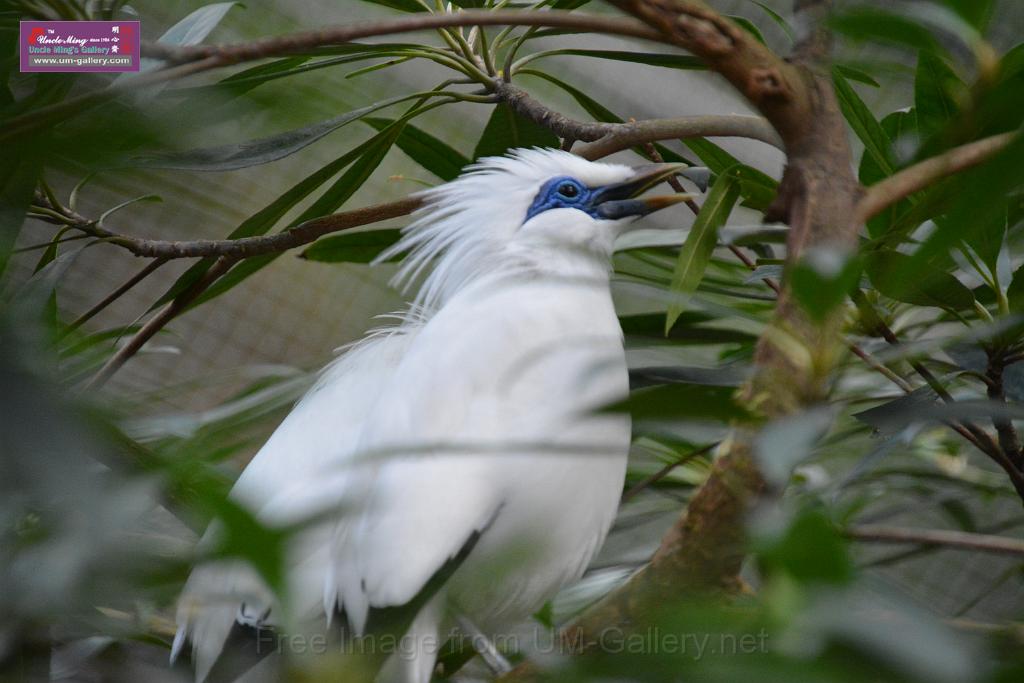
(961, 540)
(148, 270)
(158, 321)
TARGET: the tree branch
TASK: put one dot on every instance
(884, 194)
(247, 247)
(622, 136)
(335, 35)
(189, 60)
(961, 540)
(612, 137)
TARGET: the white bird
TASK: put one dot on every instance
(455, 463)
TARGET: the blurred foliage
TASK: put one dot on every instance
(98, 504)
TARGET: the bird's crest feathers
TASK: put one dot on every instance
(465, 225)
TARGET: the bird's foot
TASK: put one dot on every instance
(485, 647)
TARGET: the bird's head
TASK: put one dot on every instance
(532, 208)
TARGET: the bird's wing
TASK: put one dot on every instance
(302, 472)
(476, 380)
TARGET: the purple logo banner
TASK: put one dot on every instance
(79, 46)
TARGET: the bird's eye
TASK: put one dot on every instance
(568, 190)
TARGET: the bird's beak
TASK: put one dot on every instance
(621, 199)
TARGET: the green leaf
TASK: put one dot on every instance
(687, 330)
(597, 110)
(700, 242)
(928, 286)
(135, 200)
(822, 279)
(748, 26)
(878, 25)
(352, 247)
(400, 5)
(377, 67)
(260, 151)
(426, 150)
(727, 376)
(372, 154)
(1015, 292)
(936, 86)
(757, 189)
(876, 142)
(988, 238)
(507, 130)
(897, 125)
(810, 550)
(852, 74)
(673, 402)
(685, 62)
(977, 12)
(777, 18)
(264, 219)
(243, 81)
(18, 177)
(980, 201)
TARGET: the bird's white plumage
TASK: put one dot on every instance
(475, 415)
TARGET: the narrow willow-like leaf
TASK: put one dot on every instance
(243, 81)
(18, 177)
(1015, 292)
(260, 151)
(507, 130)
(135, 200)
(777, 18)
(863, 23)
(748, 26)
(897, 125)
(853, 74)
(685, 62)
(687, 330)
(979, 203)
(929, 286)
(264, 219)
(400, 5)
(758, 189)
(189, 31)
(426, 150)
(865, 125)
(700, 243)
(935, 88)
(352, 247)
(977, 12)
(377, 67)
(373, 153)
(675, 402)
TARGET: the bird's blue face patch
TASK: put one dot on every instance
(564, 192)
